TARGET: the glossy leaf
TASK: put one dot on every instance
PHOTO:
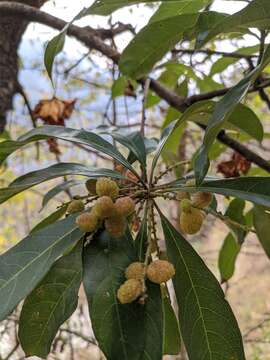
(254, 189)
(144, 51)
(63, 133)
(33, 178)
(261, 220)
(50, 304)
(220, 115)
(208, 326)
(241, 118)
(58, 189)
(141, 238)
(172, 337)
(255, 14)
(52, 218)
(106, 7)
(24, 265)
(227, 257)
(130, 331)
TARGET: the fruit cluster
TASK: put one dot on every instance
(191, 215)
(159, 271)
(109, 209)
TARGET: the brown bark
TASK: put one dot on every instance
(11, 32)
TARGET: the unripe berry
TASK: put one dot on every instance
(75, 206)
(129, 291)
(181, 195)
(136, 271)
(91, 186)
(191, 220)
(185, 205)
(115, 226)
(202, 199)
(104, 207)
(107, 187)
(125, 206)
(87, 222)
(160, 271)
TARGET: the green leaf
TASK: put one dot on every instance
(52, 218)
(172, 337)
(165, 136)
(254, 189)
(208, 326)
(220, 115)
(141, 238)
(255, 14)
(242, 118)
(50, 304)
(126, 332)
(106, 7)
(261, 220)
(37, 177)
(63, 133)
(227, 257)
(235, 212)
(58, 189)
(144, 51)
(171, 9)
(24, 265)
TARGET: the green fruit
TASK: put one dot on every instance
(91, 186)
(191, 221)
(107, 187)
(75, 206)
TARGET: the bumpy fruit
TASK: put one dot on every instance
(202, 199)
(104, 207)
(160, 271)
(125, 206)
(135, 270)
(75, 206)
(181, 195)
(87, 222)
(129, 291)
(107, 187)
(91, 186)
(191, 219)
(116, 226)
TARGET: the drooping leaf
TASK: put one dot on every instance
(208, 326)
(50, 304)
(52, 218)
(171, 336)
(130, 331)
(33, 178)
(63, 133)
(144, 51)
(255, 14)
(235, 212)
(24, 265)
(254, 189)
(261, 220)
(220, 115)
(227, 257)
(58, 189)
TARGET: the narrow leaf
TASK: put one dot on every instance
(208, 326)
(261, 220)
(50, 304)
(52, 218)
(171, 336)
(24, 265)
(227, 257)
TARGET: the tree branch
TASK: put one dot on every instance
(90, 37)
